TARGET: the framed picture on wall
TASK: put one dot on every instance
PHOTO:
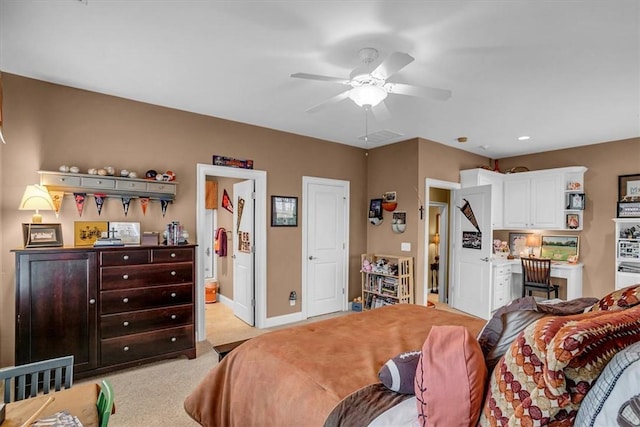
(560, 248)
(284, 211)
(518, 243)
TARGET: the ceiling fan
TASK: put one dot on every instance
(370, 88)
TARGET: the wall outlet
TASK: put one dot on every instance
(292, 298)
(405, 247)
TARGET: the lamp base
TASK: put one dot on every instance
(36, 218)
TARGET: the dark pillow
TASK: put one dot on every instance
(490, 334)
(399, 373)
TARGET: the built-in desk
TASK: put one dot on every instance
(571, 272)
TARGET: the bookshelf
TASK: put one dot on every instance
(627, 252)
(386, 280)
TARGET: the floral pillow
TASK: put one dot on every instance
(619, 300)
(550, 367)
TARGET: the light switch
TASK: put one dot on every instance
(405, 247)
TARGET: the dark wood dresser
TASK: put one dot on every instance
(111, 308)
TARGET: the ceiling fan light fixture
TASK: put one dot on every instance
(367, 95)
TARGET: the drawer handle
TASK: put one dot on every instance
(126, 348)
(99, 182)
(125, 276)
(173, 294)
(125, 323)
(125, 300)
(126, 257)
(173, 317)
(63, 179)
(92, 301)
(173, 273)
(174, 339)
(173, 254)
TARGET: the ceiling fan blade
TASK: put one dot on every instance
(422, 91)
(321, 78)
(392, 64)
(333, 100)
(381, 112)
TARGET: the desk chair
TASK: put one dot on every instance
(35, 375)
(536, 276)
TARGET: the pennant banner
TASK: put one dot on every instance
(226, 201)
(56, 197)
(126, 200)
(144, 202)
(80, 198)
(164, 203)
(100, 197)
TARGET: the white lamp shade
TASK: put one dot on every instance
(367, 95)
(36, 198)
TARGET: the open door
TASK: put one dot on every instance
(243, 252)
(470, 288)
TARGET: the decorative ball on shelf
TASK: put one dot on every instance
(169, 176)
(389, 206)
(124, 173)
(92, 171)
(74, 169)
(64, 168)
(133, 174)
(102, 172)
(151, 174)
(160, 177)
(110, 170)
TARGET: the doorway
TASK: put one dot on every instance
(440, 199)
(204, 239)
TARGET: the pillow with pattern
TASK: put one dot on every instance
(619, 300)
(552, 365)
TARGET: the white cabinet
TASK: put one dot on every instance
(540, 199)
(627, 252)
(501, 279)
(477, 177)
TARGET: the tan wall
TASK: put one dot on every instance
(605, 162)
(48, 125)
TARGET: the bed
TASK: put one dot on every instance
(305, 375)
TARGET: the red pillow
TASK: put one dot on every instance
(450, 378)
(619, 300)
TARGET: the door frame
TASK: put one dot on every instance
(305, 254)
(445, 185)
(260, 239)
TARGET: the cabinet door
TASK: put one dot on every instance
(547, 194)
(56, 310)
(517, 197)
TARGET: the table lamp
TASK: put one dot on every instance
(36, 197)
(533, 241)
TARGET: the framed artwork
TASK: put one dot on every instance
(576, 201)
(127, 232)
(284, 211)
(518, 243)
(390, 196)
(560, 248)
(573, 221)
(375, 208)
(85, 233)
(42, 235)
(629, 188)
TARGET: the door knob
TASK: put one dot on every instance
(485, 259)
(311, 257)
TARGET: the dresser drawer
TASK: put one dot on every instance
(145, 275)
(134, 322)
(127, 257)
(161, 187)
(172, 254)
(131, 185)
(123, 300)
(104, 183)
(148, 344)
(59, 180)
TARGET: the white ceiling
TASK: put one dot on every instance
(565, 72)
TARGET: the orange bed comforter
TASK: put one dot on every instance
(295, 376)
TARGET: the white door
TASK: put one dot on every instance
(243, 251)
(325, 221)
(472, 248)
